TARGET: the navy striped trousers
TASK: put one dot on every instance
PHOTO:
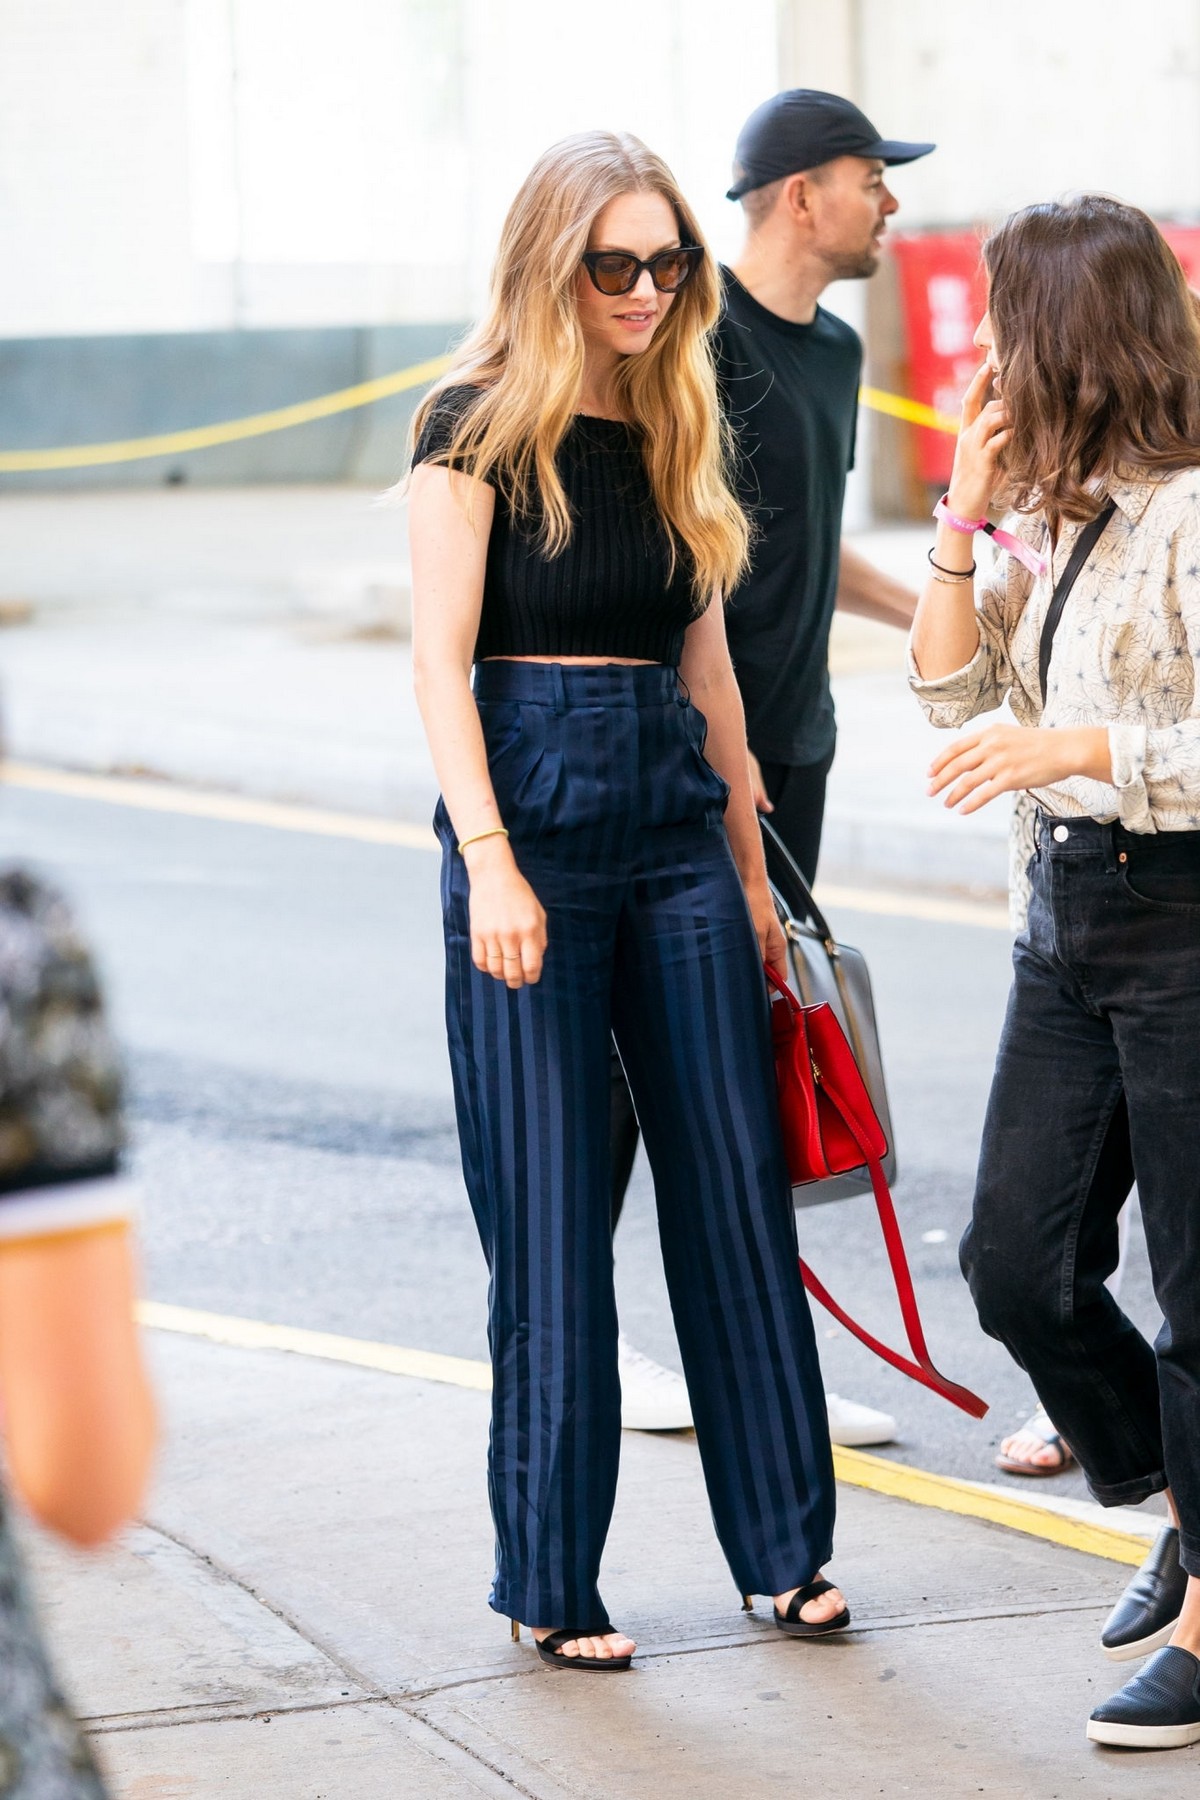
(617, 823)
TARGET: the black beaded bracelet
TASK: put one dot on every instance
(959, 574)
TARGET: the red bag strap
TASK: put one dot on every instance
(921, 1369)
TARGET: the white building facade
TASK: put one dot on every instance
(179, 167)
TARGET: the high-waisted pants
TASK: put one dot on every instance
(1101, 1055)
(616, 820)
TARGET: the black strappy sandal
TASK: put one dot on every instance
(549, 1649)
(795, 1626)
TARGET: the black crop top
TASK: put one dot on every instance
(608, 593)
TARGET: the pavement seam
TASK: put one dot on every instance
(532, 1781)
(754, 1641)
(215, 1713)
(411, 1700)
(446, 1748)
(371, 1693)
(370, 1690)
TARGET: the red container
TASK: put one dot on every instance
(943, 294)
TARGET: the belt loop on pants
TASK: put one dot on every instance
(558, 686)
(1108, 837)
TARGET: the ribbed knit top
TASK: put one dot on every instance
(610, 591)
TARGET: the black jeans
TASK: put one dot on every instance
(798, 796)
(1104, 1015)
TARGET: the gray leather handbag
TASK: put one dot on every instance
(823, 969)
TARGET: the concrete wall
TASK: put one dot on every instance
(213, 207)
(68, 390)
(314, 174)
(1027, 100)
(171, 165)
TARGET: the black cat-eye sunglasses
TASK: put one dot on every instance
(619, 271)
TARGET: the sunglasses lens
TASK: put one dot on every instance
(614, 274)
(672, 269)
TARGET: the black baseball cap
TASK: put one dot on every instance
(803, 128)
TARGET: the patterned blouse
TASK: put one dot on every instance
(1126, 655)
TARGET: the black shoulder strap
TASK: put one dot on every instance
(785, 876)
(1084, 545)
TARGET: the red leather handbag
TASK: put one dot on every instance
(829, 1127)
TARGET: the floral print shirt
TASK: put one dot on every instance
(1126, 655)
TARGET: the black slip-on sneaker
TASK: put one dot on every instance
(1159, 1709)
(1148, 1611)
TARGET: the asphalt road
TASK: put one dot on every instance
(279, 998)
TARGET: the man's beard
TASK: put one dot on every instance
(855, 266)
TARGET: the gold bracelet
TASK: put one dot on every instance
(496, 831)
(953, 580)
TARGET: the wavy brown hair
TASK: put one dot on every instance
(526, 358)
(1098, 343)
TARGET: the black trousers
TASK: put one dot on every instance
(1101, 1053)
(798, 795)
(617, 822)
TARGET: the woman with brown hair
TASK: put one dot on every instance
(572, 532)
(1090, 627)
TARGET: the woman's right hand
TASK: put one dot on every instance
(508, 921)
(982, 437)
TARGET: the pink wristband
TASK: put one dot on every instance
(1032, 560)
(968, 527)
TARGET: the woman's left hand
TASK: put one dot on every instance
(1001, 759)
(772, 945)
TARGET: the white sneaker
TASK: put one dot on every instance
(852, 1425)
(652, 1398)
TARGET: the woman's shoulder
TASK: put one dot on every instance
(458, 398)
(1175, 498)
(449, 409)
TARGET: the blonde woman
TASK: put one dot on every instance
(571, 532)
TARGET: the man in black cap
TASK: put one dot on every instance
(809, 172)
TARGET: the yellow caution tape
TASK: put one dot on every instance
(364, 393)
(204, 437)
(914, 412)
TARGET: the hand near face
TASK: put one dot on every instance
(983, 435)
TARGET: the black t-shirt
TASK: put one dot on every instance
(612, 590)
(791, 392)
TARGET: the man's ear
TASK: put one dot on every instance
(797, 196)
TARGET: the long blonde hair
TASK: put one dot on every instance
(526, 358)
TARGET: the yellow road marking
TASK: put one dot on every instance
(237, 809)
(895, 903)
(251, 1334)
(947, 1494)
(855, 1467)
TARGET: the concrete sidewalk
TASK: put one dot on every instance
(255, 639)
(303, 1614)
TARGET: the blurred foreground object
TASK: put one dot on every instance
(78, 1415)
